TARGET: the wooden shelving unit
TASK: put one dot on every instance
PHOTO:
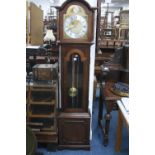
(41, 115)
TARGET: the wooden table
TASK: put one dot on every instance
(107, 99)
(123, 117)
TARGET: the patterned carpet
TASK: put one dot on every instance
(97, 147)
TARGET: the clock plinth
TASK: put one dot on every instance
(74, 130)
(76, 19)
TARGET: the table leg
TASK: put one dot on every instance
(109, 107)
(119, 133)
(106, 128)
(100, 110)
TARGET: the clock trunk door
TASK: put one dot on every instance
(75, 82)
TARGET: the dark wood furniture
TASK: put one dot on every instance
(45, 72)
(27, 98)
(98, 23)
(115, 65)
(109, 100)
(75, 43)
(41, 55)
(42, 95)
(118, 65)
(118, 70)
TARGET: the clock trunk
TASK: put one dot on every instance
(75, 78)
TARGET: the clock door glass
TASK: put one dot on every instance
(75, 23)
(74, 82)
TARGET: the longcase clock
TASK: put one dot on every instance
(76, 21)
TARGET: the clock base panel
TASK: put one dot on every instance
(74, 130)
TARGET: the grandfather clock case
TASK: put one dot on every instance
(75, 37)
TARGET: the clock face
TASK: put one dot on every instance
(75, 26)
(75, 23)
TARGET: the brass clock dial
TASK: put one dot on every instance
(75, 26)
(75, 23)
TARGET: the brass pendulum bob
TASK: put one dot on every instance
(72, 92)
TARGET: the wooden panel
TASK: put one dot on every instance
(36, 25)
(74, 130)
(78, 135)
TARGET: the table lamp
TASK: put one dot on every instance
(49, 36)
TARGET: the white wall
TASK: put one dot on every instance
(91, 70)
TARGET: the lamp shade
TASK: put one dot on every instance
(49, 36)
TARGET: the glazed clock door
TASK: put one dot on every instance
(75, 81)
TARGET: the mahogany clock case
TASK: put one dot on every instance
(74, 116)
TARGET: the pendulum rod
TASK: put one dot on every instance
(73, 78)
(77, 82)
